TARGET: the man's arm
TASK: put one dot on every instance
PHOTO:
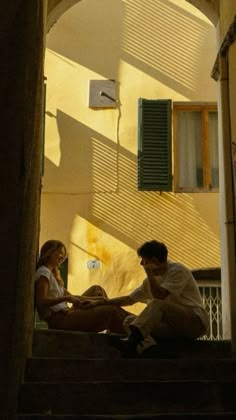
(119, 301)
(122, 301)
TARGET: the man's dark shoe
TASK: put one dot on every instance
(126, 348)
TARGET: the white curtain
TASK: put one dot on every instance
(189, 144)
(214, 154)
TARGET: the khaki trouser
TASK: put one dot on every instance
(161, 319)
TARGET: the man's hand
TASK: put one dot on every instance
(150, 268)
(153, 270)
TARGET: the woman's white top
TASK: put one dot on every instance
(54, 291)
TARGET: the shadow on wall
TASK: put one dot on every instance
(99, 177)
(88, 161)
(156, 37)
(165, 42)
(88, 33)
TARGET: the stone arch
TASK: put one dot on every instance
(210, 8)
(56, 8)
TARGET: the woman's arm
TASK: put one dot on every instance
(41, 297)
(82, 298)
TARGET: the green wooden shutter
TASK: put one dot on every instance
(154, 144)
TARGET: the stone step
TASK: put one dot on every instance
(86, 370)
(128, 398)
(159, 416)
(74, 344)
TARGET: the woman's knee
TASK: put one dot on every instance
(100, 291)
(95, 290)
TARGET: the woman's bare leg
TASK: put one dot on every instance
(94, 319)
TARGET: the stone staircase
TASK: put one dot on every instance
(76, 375)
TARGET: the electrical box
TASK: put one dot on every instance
(102, 94)
(93, 264)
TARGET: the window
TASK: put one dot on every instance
(196, 161)
(195, 152)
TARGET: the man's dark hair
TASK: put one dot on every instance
(152, 249)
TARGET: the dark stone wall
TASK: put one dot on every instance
(21, 76)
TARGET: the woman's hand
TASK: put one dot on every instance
(76, 302)
(91, 303)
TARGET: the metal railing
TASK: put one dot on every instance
(211, 296)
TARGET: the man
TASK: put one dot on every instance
(174, 305)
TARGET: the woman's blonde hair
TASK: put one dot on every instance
(46, 250)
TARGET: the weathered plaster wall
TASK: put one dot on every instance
(90, 198)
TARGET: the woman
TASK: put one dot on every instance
(52, 298)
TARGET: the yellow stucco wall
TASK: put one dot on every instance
(156, 50)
